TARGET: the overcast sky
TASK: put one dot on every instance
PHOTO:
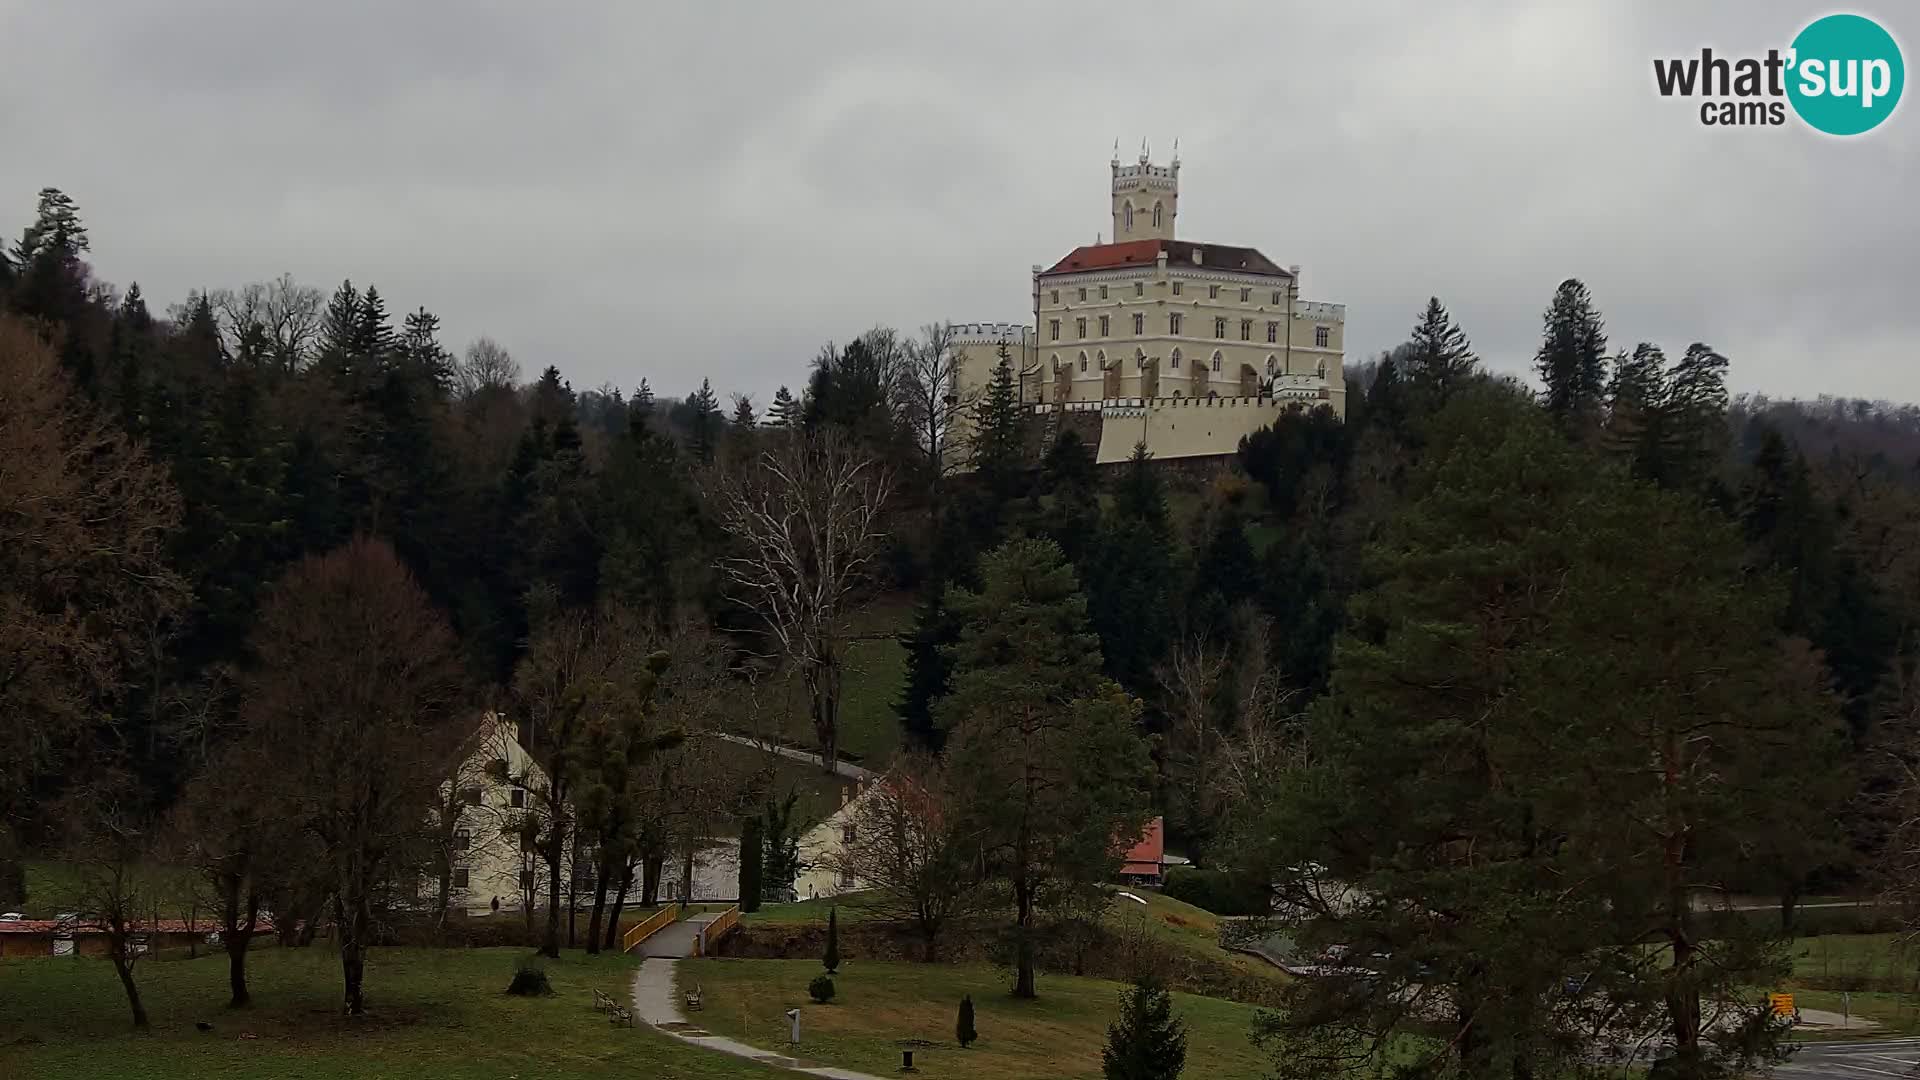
(628, 189)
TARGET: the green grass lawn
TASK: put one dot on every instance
(52, 888)
(876, 672)
(432, 1014)
(1193, 929)
(1855, 961)
(876, 1005)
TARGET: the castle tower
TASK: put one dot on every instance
(1145, 197)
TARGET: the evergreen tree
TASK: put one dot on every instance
(743, 419)
(1386, 399)
(999, 454)
(1146, 1041)
(1138, 495)
(339, 331)
(928, 669)
(1572, 361)
(1635, 401)
(56, 230)
(1693, 420)
(831, 959)
(785, 412)
(704, 437)
(1441, 358)
(423, 355)
(1067, 498)
(752, 860)
(963, 1030)
(373, 335)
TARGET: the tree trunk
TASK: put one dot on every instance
(1789, 906)
(1023, 940)
(125, 970)
(650, 880)
(600, 874)
(619, 903)
(823, 688)
(686, 877)
(443, 894)
(350, 917)
(556, 846)
(236, 944)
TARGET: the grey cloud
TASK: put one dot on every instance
(631, 190)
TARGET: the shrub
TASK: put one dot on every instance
(1218, 891)
(1146, 1042)
(820, 989)
(963, 1032)
(529, 979)
(831, 961)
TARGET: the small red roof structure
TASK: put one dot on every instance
(1179, 252)
(1144, 859)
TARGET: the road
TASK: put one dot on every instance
(846, 769)
(1881, 1059)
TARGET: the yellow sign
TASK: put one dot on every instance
(1782, 1004)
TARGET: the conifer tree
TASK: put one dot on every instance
(1635, 400)
(831, 959)
(1693, 420)
(339, 330)
(928, 668)
(1572, 361)
(963, 1030)
(785, 412)
(704, 436)
(1440, 357)
(998, 451)
(743, 418)
(1146, 1041)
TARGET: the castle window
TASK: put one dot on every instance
(1139, 361)
(1174, 360)
(460, 877)
(1246, 329)
(1321, 370)
(462, 839)
(1139, 288)
(1176, 288)
(471, 796)
(1156, 215)
(1273, 366)
(1219, 327)
(1273, 332)
(1056, 364)
(1246, 295)
(1083, 362)
(1216, 361)
(1056, 297)
(1276, 298)
(1173, 322)
(1104, 321)
(1129, 217)
(1080, 326)
(1213, 292)
(1053, 326)
(1103, 292)
(1083, 292)
(1320, 336)
(1139, 322)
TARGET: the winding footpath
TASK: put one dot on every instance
(655, 1001)
(843, 768)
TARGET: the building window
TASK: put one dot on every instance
(1174, 360)
(517, 797)
(1083, 292)
(1104, 324)
(1053, 327)
(1176, 288)
(460, 877)
(1173, 322)
(1273, 366)
(1080, 326)
(1139, 288)
(1213, 292)
(1083, 362)
(1156, 215)
(1139, 361)
(1056, 297)
(1246, 295)
(471, 796)
(1139, 323)
(1273, 332)
(1320, 370)
(1103, 292)
(1129, 217)
(462, 840)
(1246, 329)
(1320, 336)
(847, 834)
(1216, 362)
(1276, 298)
(1219, 327)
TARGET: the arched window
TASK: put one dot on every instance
(1100, 359)
(1056, 365)
(1156, 215)
(1174, 361)
(1083, 361)
(1177, 393)
(1273, 365)
(1139, 360)
(1216, 361)
(1321, 371)
(1128, 215)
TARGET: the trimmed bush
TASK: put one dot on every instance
(529, 979)
(831, 961)
(820, 989)
(1217, 891)
(963, 1032)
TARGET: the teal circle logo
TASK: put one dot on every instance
(1845, 75)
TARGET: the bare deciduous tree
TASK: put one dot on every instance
(933, 402)
(359, 695)
(84, 576)
(487, 365)
(286, 313)
(905, 840)
(112, 856)
(805, 519)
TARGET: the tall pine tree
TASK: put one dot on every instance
(1572, 361)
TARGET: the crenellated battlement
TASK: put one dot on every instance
(965, 333)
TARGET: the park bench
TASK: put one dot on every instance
(617, 1014)
(693, 998)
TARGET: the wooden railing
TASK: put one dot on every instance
(711, 933)
(641, 931)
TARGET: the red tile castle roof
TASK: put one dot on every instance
(1146, 856)
(1179, 252)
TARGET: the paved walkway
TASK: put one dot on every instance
(846, 769)
(674, 940)
(655, 1002)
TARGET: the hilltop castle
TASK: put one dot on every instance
(1182, 345)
